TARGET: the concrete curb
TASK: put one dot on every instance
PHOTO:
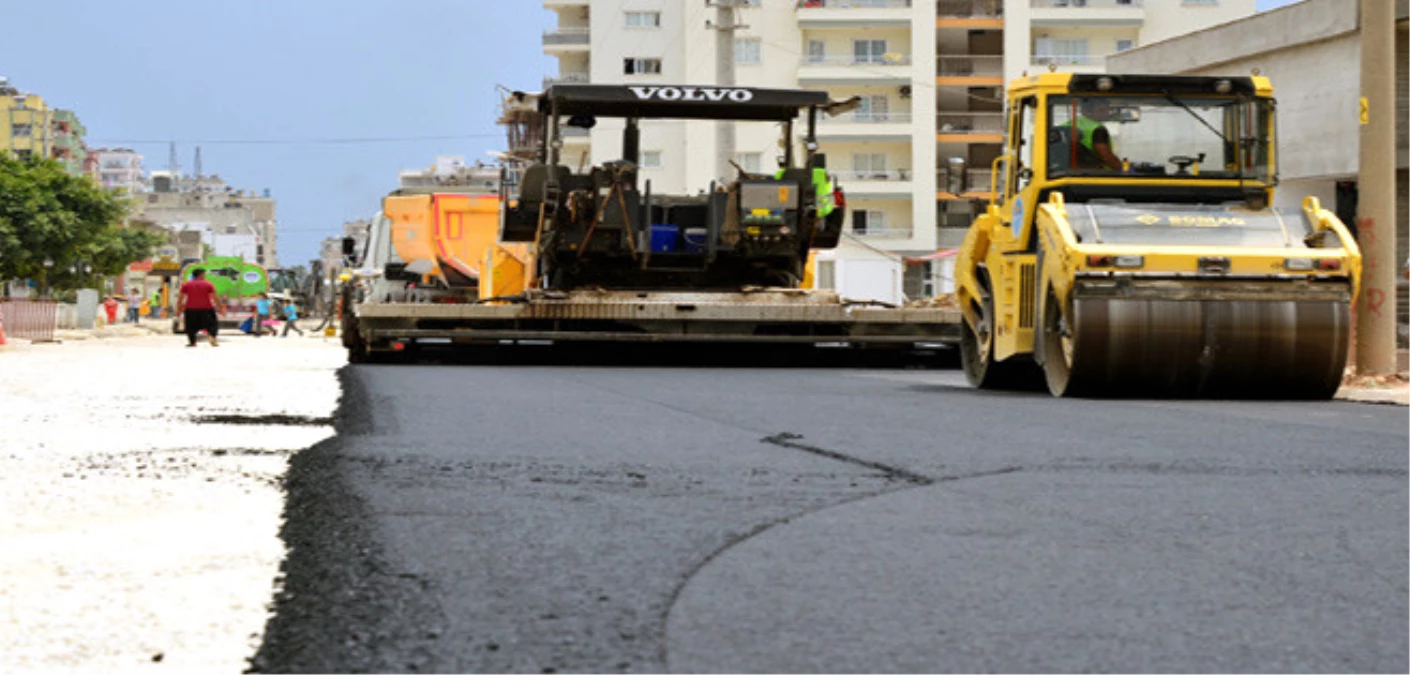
(1392, 396)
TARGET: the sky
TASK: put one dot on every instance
(140, 74)
(263, 86)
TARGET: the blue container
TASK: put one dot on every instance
(665, 238)
(694, 238)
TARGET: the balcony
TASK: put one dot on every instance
(559, 4)
(969, 127)
(865, 126)
(565, 78)
(566, 39)
(886, 232)
(880, 184)
(969, 71)
(814, 14)
(1072, 63)
(825, 69)
(954, 220)
(892, 175)
(976, 185)
(972, 14)
(1087, 4)
(1057, 13)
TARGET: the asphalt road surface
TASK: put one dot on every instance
(620, 519)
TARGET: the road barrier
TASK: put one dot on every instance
(31, 319)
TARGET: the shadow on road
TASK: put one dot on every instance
(680, 356)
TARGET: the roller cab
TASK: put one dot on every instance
(1132, 249)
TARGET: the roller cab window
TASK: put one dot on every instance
(1175, 137)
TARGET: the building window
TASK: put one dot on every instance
(750, 161)
(651, 159)
(869, 51)
(1060, 51)
(746, 51)
(753, 3)
(23, 155)
(641, 66)
(817, 52)
(869, 164)
(1124, 44)
(21, 130)
(864, 222)
(643, 19)
(872, 109)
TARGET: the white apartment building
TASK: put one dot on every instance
(207, 204)
(120, 169)
(914, 158)
(452, 171)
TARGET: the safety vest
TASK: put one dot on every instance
(1086, 127)
(823, 186)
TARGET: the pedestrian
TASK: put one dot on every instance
(134, 305)
(263, 312)
(156, 304)
(110, 306)
(291, 318)
(200, 308)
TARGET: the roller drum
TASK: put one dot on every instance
(1275, 349)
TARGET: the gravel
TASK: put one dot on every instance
(142, 487)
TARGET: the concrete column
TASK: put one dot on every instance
(724, 77)
(87, 308)
(1375, 217)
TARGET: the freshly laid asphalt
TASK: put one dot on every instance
(615, 519)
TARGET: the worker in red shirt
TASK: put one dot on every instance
(111, 307)
(199, 308)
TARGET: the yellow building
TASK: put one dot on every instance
(29, 127)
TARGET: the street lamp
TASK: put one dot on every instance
(48, 264)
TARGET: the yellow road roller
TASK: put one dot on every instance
(1132, 248)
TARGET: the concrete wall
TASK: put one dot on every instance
(1168, 18)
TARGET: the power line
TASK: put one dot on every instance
(292, 141)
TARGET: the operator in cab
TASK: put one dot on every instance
(1094, 141)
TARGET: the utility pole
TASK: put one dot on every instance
(1375, 201)
(197, 167)
(171, 163)
(724, 27)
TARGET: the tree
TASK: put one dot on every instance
(48, 214)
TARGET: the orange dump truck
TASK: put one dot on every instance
(441, 246)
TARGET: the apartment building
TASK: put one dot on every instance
(120, 169)
(330, 250)
(30, 127)
(451, 171)
(208, 205)
(914, 157)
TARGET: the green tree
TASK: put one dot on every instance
(48, 214)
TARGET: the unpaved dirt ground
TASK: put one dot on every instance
(141, 487)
